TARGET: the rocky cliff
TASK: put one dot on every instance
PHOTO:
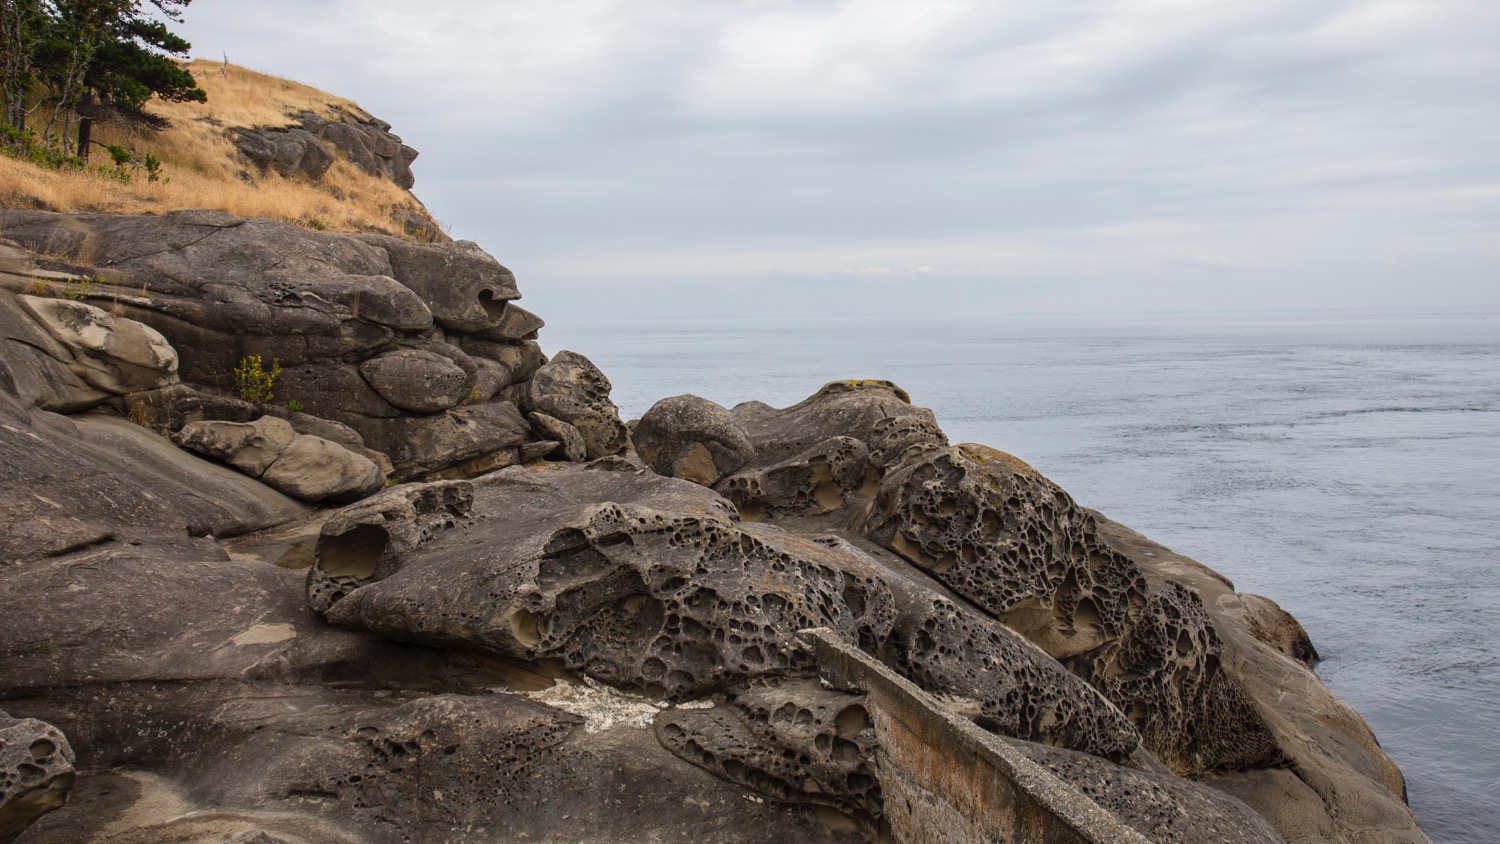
(424, 584)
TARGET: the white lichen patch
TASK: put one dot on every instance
(602, 707)
(265, 634)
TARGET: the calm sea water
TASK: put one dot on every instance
(1347, 466)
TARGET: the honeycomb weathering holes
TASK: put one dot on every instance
(355, 553)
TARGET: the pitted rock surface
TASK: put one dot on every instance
(36, 772)
(819, 481)
(840, 409)
(794, 742)
(366, 542)
(1164, 808)
(691, 438)
(995, 531)
(658, 589)
(636, 580)
(571, 388)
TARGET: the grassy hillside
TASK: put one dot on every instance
(201, 168)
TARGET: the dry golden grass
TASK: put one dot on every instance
(202, 169)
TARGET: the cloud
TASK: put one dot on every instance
(1094, 151)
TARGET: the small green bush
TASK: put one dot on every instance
(294, 406)
(254, 381)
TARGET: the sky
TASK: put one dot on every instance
(806, 158)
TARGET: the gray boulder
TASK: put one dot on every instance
(417, 381)
(571, 388)
(691, 438)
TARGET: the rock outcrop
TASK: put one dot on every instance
(310, 147)
(744, 624)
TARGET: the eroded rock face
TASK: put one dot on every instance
(305, 467)
(794, 742)
(989, 527)
(659, 590)
(691, 438)
(112, 355)
(412, 345)
(36, 772)
(572, 389)
(309, 147)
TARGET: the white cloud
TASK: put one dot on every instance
(1095, 149)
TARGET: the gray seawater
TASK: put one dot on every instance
(1345, 465)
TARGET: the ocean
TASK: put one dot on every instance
(1345, 465)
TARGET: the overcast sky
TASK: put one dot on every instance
(800, 157)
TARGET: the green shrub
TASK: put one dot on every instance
(254, 381)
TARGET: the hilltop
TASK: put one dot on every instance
(239, 153)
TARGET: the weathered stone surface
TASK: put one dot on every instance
(995, 531)
(691, 438)
(819, 481)
(794, 742)
(366, 542)
(573, 447)
(1163, 808)
(221, 288)
(109, 354)
(840, 409)
(421, 444)
(465, 288)
(302, 466)
(571, 388)
(516, 324)
(314, 469)
(36, 772)
(250, 447)
(660, 590)
(416, 381)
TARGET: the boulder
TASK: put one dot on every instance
(691, 438)
(571, 388)
(305, 467)
(840, 409)
(113, 355)
(417, 381)
(36, 772)
(566, 436)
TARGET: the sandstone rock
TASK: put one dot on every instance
(998, 533)
(660, 590)
(516, 323)
(305, 467)
(36, 772)
(573, 447)
(366, 542)
(795, 742)
(572, 389)
(286, 151)
(819, 481)
(314, 469)
(112, 355)
(691, 438)
(464, 287)
(416, 381)
(840, 409)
